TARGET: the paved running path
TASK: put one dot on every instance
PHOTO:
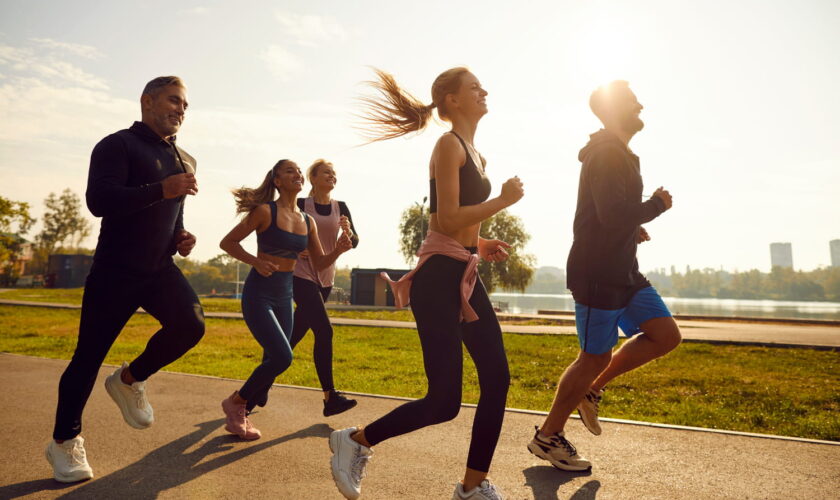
(187, 454)
(708, 331)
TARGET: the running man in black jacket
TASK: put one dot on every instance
(138, 182)
(603, 275)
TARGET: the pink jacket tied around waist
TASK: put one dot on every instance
(440, 244)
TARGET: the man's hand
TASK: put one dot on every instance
(179, 185)
(664, 195)
(643, 235)
(184, 242)
(493, 250)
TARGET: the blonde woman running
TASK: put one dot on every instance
(449, 302)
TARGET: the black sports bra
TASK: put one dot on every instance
(280, 243)
(474, 184)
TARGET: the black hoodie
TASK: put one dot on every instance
(125, 189)
(602, 270)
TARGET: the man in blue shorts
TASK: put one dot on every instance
(603, 275)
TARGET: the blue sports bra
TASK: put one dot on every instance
(279, 243)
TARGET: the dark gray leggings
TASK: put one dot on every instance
(311, 313)
(436, 302)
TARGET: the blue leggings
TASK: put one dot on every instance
(267, 309)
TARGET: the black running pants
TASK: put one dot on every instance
(436, 303)
(110, 298)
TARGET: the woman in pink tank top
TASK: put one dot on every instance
(311, 287)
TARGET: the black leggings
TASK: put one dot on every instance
(436, 304)
(110, 298)
(311, 313)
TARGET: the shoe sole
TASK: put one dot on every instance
(65, 479)
(330, 414)
(595, 431)
(117, 397)
(333, 441)
(559, 465)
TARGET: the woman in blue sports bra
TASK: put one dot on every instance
(283, 231)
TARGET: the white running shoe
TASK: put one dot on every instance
(131, 399)
(588, 411)
(348, 462)
(484, 491)
(558, 451)
(69, 461)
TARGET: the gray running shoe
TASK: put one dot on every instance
(484, 491)
(558, 451)
(588, 411)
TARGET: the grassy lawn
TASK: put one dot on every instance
(791, 392)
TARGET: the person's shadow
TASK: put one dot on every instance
(546, 482)
(166, 467)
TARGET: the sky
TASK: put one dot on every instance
(741, 109)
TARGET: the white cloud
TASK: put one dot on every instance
(310, 30)
(282, 63)
(78, 49)
(27, 62)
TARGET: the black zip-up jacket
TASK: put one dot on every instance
(602, 263)
(125, 189)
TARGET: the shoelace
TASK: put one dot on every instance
(595, 398)
(564, 443)
(357, 467)
(139, 396)
(489, 491)
(75, 455)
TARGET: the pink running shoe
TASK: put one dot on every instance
(236, 420)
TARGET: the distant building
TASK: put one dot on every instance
(781, 255)
(368, 289)
(67, 271)
(835, 252)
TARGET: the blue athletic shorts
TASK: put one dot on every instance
(597, 329)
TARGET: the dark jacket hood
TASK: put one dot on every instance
(598, 139)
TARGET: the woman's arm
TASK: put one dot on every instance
(448, 158)
(257, 220)
(316, 251)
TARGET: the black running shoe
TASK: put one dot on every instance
(338, 403)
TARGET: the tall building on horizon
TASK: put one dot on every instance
(781, 254)
(834, 245)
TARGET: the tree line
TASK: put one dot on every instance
(64, 228)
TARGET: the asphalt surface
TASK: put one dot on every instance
(771, 334)
(187, 454)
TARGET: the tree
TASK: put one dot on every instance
(515, 273)
(414, 223)
(15, 221)
(63, 221)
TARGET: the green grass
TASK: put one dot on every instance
(784, 391)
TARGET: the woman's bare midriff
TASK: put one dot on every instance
(285, 265)
(467, 236)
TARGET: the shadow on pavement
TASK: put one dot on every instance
(166, 467)
(546, 481)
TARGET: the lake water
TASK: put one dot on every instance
(531, 302)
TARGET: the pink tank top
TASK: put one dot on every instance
(328, 231)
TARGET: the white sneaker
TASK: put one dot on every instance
(558, 451)
(348, 462)
(69, 461)
(484, 491)
(131, 399)
(588, 411)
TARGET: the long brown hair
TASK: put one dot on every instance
(394, 112)
(312, 171)
(248, 199)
